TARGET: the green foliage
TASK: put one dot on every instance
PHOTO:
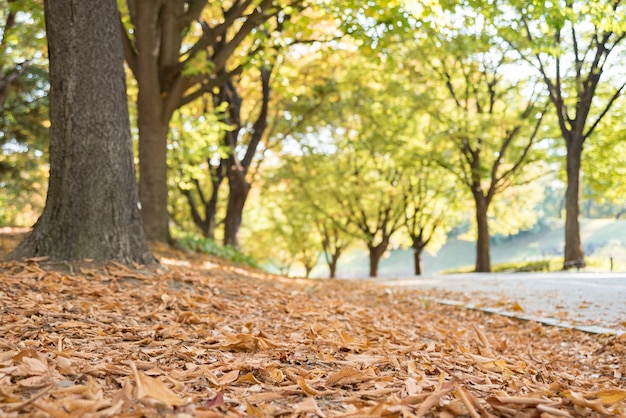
(208, 246)
(195, 149)
(200, 64)
(23, 112)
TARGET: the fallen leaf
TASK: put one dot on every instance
(151, 388)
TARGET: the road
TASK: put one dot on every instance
(594, 302)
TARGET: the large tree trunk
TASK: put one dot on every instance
(152, 124)
(92, 204)
(153, 176)
(573, 252)
(483, 258)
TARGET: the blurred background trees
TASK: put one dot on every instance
(304, 132)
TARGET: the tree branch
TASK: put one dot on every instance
(130, 53)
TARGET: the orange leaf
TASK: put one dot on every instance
(248, 378)
(306, 388)
(609, 397)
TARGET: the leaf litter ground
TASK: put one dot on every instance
(206, 339)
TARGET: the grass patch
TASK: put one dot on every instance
(546, 265)
(210, 247)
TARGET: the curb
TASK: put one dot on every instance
(592, 329)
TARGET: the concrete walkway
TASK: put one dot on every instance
(593, 302)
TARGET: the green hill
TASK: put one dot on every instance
(602, 239)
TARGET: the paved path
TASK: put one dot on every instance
(595, 302)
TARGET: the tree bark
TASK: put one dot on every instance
(376, 252)
(237, 197)
(483, 258)
(307, 271)
(333, 261)
(332, 248)
(332, 266)
(238, 169)
(210, 212)
(418, 248)
(207, 223)
(92, 204)
(573, 251)
(152, 124)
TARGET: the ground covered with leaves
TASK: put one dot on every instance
(199, 338)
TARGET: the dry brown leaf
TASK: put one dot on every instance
(467, 400)
(247, 378)
(154, 389)
(264, 397)
(608, 397)
(553, 411)
(342, 375)
(434, 398)
(253, 411)
(306, 388)
(268, 343)
(228, 378)
(483, 340)
(215, 400)
(580, 399)
(309, 405)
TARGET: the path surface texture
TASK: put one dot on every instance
(594, 302)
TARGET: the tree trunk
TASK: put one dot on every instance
(332, 263)
(483, 258)
(573, 246)
(376, 252)
(153, 175)
(206, 223)
(152, 124)
(211, 207)
(418, 247)
(234, 211)
(307, 271)
(92, 204)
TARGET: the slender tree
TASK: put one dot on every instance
(427, 202)
(573, 45)
(490, 126)
(334, 242)
(92, 204)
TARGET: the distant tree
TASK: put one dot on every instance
(290, 193)
(572, 45)
(489, 126)
(23, 110)
(335, 241)
(603, 166)
(92, 204)
(195, 173)
(428, 204)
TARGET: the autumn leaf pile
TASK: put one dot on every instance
(208, 340)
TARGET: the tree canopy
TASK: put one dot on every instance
(298, 131)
